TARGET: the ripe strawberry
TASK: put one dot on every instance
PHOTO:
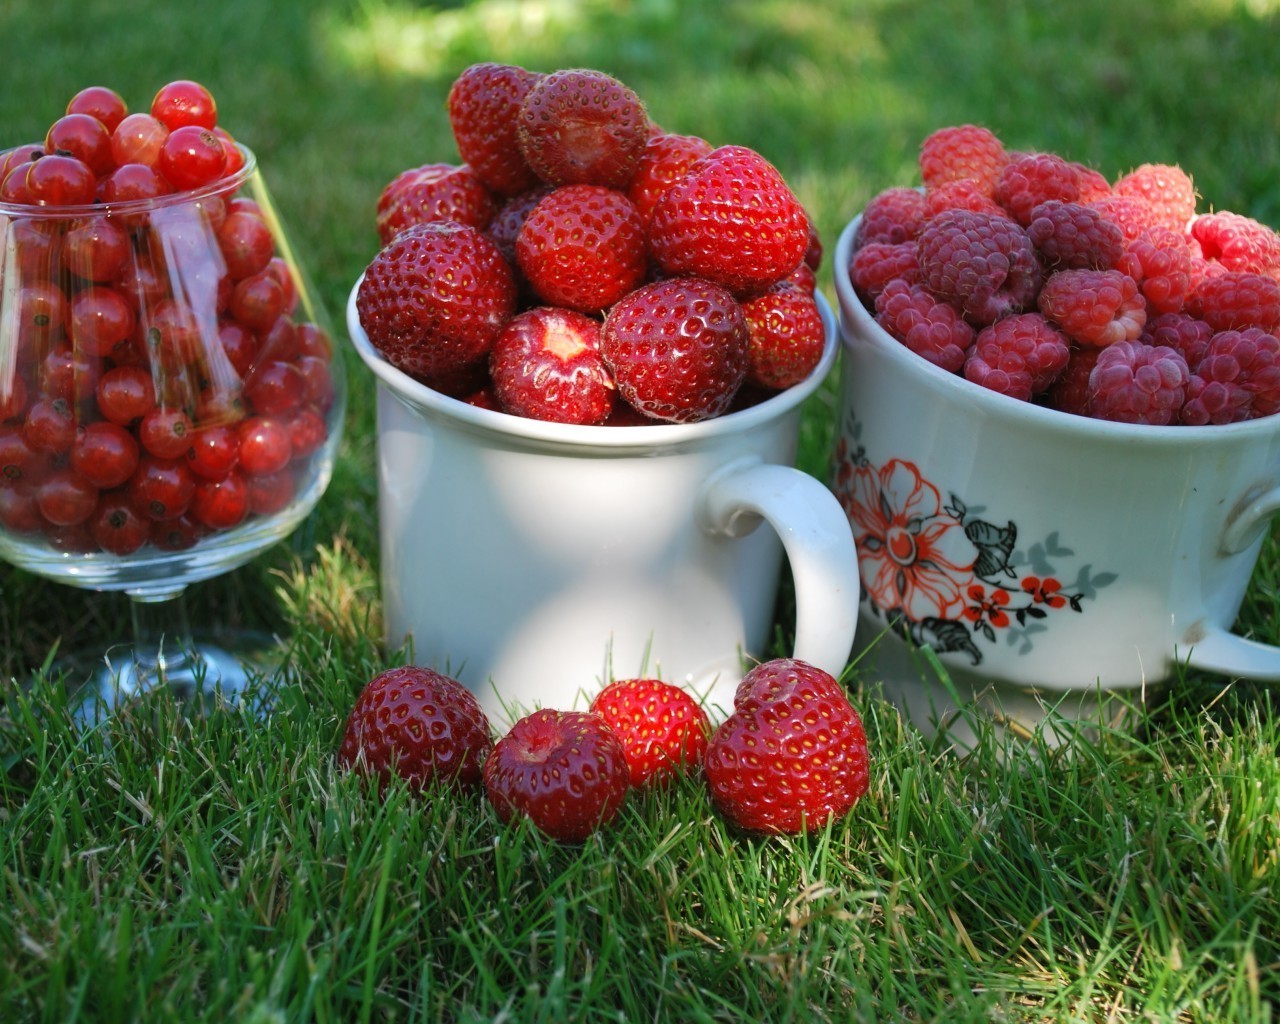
(792, 756)
(786, 336)
(433, 192)
(546, 365)
(483, 107)
(582, 247)
(566, 771)
(579, 126)
(416, 724)
(665, 160)
(731, 220)
(677, 349)
(433, 300)
(663, 729)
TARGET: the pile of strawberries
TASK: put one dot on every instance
(582, 265)
(791, 757)
(1034, 276)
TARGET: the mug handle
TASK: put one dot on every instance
(816, 537)
(1218, 649)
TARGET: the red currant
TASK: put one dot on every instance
(235, 158)
(125, 394)
(264, 445)
(307, 433)
(165, 433)
(270, 493)
(274, 388)
(95, 249)
(240, 345)
(18, 459)
(100, 102)
(116, 526)
(13, 401)
(184, 102)
(313, 341)
(192, 156)
(246, 244)
(132, 182)
(100, 320)
(69, 375)
(105, 454)
(317, 381)
(19, 512)
(73, 539)
(221, 504)
(258, 301)
(60, 180)
(161, 488)
(50, 426)
(176, 534)
(83, 137)
(42, 308)
(214, 452)
(137, 139)
(66, 498)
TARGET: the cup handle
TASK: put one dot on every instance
(1217, 649)
(816, 537)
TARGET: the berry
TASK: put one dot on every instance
(1168, 188)
(663, 729)
(1237, 299)
(894, 215)
(1074, 236)
(1159, 260)
(433, 300)
(65, 498)
(418, 725)
(184, 102)
(1019, 356)
(1094, 307)
(565, 771)
(961, 194)
(1238, 242)
(101, 103)
(666, 159)
(483, 108)
(1136, 383)
(984, 264)
(1180, 331)
(1133, 214)
(962, 152)
(105, 454)
(582, 247)
(1070, 392)
(732, 220)
(877, 263)
(1029, 179)
(792, 756)
(505, 227)
(786, 336)
(925, 324)
(579, 126)
(1237, 379)
(433, 192)
(546, 365)
(191, 156)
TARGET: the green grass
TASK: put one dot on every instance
(220, 869)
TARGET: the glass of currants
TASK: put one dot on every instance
(171, 400)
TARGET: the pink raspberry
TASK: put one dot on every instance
(1238, 242)
(1238, 379)
(1237, 299)
(983, 264)
(1159, 260)
(1136, 383)
(877, 263)
(1167, 187)
(924, 324)
(1029, 179)
(960, 194)
(1070, 392)
(1182, 331)
(1093, 184)
(962, 151)
(894, 215)
(1019, 356)
(1073, 235)
(1133, 214)
(1094, 307)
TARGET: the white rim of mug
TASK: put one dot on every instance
(956, 388)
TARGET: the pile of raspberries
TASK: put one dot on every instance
(1036, 277)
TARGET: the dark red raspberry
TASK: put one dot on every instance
(1074, 236)
(1132, 214)
(1159, 260)
(1029, 179)
(1237, 299)
(1019, 356)
(894, 215)
(984, 265)
(1070, 392)
(962, 151)
(926, 325)
(1167, 187)
(877, 263)
(1136, 383)
(961, 194)
(1238, 379)
(1238, 242)
(1182, 331)
(1094, 307)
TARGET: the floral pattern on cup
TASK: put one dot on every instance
(943, 574)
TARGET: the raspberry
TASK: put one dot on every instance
(985, 265)
(963, 151)
(1019, 356)
(927, 326)
(1237, 299)
(877, 263)
(1094, 307)
(1136, 383)
(1167, 187)
(1029, 179)
(961, 194)
(1238, 379)
(1093, 184)
(1133, 214)
(1073, 235)
(433, 192)
(1159, 260)
(1180, 331)
(1070, 392)
(483, 108)
(1238, 242)
(894, 215)
(665, 160)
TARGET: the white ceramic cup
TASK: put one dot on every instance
(534, 561)
(1030, 547)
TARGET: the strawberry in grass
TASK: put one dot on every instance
(566, 771)
(663, 729)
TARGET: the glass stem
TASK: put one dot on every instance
(163, 649)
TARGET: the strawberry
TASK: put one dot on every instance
(433, 192)
(732, 220)
(582, 247)
(546, 365)
(483, 108)
(579, 126)
(507, 222)
(786, 336)
(792, 756)
(566, 771)
(665, 160)
(663, 729)
(418, 725)
(677, 349)
(434, 299)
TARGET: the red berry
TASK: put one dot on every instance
(1027, 180)
(264, 443)
(786, 336)
(663, 729)
(116, 526)
(1167, 187)
(50, 426)
(59, 180)
(220, 504)
(962, 152)
(1179, 331)
(65, 498)
(792, 756)
(1070, 392)
(214, 452)
(565, 771)
(184, 102)
(1238, 242)
(984, 264)
(875, 264)
(1132, 213)
(95, 249)
(1237, 299)
(666, 159)
(1074, 236)
(929, 327)
(962, 194)
(483, 108)
(105, 454)
(1237, 379)
(100, 102)
(83, 137)
(434, 192)
(245, 243)
(893, 216)
(1018, 356)
(1094, 307)
(125, 394)
(137, 139)
(161, 488)
(1136, 383)
(1160, 261)
(165, 433)
(505, 227)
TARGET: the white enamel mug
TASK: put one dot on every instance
(1034, 548)
(534, 561)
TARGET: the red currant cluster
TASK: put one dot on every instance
(156, 382)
